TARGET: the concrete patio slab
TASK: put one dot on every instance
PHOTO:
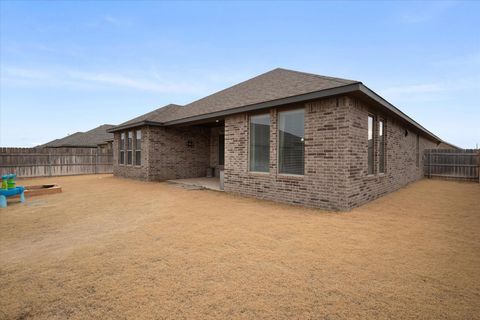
(203, 183)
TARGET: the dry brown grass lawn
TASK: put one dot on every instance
(113, 248)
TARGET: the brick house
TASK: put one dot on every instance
(98, 137)
(285, 136)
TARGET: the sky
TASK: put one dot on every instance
(72, 66)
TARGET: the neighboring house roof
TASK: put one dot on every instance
(57, 142)
(91, 138)
(274, 88)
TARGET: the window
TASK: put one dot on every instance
(260, 143)
(381, 146)
(417, 151)
(121, 148)
(221, 150)
(129, 147)
(138, 147)
(370, 145)
(291, 142)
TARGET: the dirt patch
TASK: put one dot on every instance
(114, 248)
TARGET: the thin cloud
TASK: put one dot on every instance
(116, 21)
(25, 77)
(416, 88)
(108, 20)
(466, 83)
(470, 60)
(438, 92)
(426, 13)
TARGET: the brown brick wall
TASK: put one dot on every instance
(401, 167)
(324, 183)
(177, 153)
(335, 158)
(168, 153)
(131, 171)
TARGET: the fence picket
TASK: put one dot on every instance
(40, 162)
(453, 164)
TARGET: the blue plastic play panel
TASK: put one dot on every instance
(4, 193)
(11, 192)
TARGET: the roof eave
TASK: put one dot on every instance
(73, 146)
(349, 88)
(135, 124)
(377, 98)
(268, 104)
(452, 145)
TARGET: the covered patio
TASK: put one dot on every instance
(197, 155)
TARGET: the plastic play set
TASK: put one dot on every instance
(9, 189)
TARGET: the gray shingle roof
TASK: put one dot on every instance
(90, 138)
(276, 84)
(274, 88)
(157, 115)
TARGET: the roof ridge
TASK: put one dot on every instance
(235, 85)
(340, 80)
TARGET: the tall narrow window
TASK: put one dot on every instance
(291, 141)
(417, 151)
(381, 146)
(129, 147)
(260, 143)
(138, 147)
(121, 148)
(370, 145)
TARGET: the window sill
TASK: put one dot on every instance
(258, 173)
(375, 176)
(290, 176)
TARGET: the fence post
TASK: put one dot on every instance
(96, 160)
(49, 163)
(429, 165)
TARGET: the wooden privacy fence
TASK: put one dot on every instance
(42, 162)
(452, 164)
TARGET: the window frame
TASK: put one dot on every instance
(372, 166)
(382, 146)
(267, 114)
(279, 172)
(130, 148)
(121, 149)
(137, 149)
